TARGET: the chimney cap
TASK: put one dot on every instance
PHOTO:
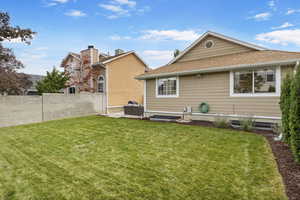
(119, 51)
(90, 46)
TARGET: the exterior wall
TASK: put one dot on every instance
(89, 57)
(115, 110)
(16, 110)
(122, 85)
(96, 74)
(213, 88)
(72, 67)
(221, 47)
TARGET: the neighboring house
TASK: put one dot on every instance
(34, 79)
(236, 79)
(114, 76)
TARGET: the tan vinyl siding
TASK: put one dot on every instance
(213, 88)
(122, 85)
(221, 47)
(115, 110)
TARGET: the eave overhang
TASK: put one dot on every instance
(217, 69)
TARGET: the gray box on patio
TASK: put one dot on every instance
(137, 110)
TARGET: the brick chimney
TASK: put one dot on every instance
(90, 55)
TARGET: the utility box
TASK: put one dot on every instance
(136, 110)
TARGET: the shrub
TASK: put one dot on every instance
(295, 116)
(285, 101)
(247, 124)
(277, 128)
(221, 122)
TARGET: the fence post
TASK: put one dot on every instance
(42, 107)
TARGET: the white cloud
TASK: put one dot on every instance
(27, 56)
(56, 2)
(284, 25)
(122, 8)
(117, 37)
(61, 1)
(185, 35)
(113, 8)
(158, 55)
(292, 11)
(282, 37)
(125, 2)
(51, 4)
(261, 16)
(75, 13)
(272, 5)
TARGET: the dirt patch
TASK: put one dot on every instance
(288, 168)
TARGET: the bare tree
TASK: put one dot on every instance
(12, 82)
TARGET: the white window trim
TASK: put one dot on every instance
(167, 96)
(145, 95)
(275, 94)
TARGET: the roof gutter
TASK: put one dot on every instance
(217, 69)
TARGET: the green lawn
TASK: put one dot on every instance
(121, 159)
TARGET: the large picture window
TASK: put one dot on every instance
(167, 87)
(257, 82)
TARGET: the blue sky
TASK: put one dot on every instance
(153, 28)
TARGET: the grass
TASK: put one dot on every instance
(121, 159)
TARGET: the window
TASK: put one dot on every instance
(101, 84)
(265, 81)
(258, 82)
(72, 90)
(167, 87)
(243, 82)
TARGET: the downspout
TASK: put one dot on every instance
(106, 88)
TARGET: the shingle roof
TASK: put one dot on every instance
(102, 59)
(252, 57)
(75, 55)
(66, 58)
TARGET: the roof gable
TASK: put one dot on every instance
(123, 55)
(222, 45)
(70, 55)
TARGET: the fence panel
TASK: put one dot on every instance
(15, 110)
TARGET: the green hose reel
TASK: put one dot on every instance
(204, 107)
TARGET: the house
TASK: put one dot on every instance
(34, 79)
(219, 76)
(113, 76)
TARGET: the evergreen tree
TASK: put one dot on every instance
(53, 82)
(295, 116)
(285, 101)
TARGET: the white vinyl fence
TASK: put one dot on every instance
(16, 110)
